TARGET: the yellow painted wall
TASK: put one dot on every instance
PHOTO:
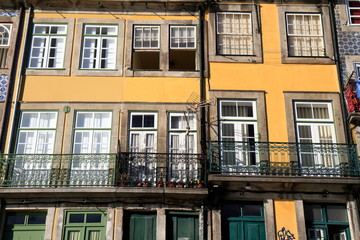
(272, 76)
(285, 216)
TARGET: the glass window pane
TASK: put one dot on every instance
(76, 218)
(251, 210)
(29, 120)
(15, 219)
(336, 213)
(313, 212)
(136, 121)
(37, 219)
(93, 218)
(84, 120)
(149, 121)
(228, 109)
(245, 109)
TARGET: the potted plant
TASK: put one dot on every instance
(123, 179)
(171, 184)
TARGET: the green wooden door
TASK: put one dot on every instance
(246, 230)
(142, 226)
(24, 226)
(85, 225)
(183, 226)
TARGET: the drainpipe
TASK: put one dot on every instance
(19, 80)
(202, 81)
(338, 68)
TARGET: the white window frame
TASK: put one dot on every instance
(185, 39)
(5, 39)
(242, 157)
(99, 48)
(37, 130)
(92, 130)
(304, 36)
(319, 159)
(182, 132)
(357, 70)
(350, 17)
(250, 52)
(35, 170)
(237, 102)
(157, 47)
(8, 28)
(48, 37)
(142, 132)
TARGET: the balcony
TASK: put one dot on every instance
(102, 170)
(283, 159)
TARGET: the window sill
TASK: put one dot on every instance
(236, 58)
(307, 60)
(161, 73)
(48, 71)
(97, 72)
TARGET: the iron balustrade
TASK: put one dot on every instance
(101, 170)
(283, 159)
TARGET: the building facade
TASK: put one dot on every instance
(176, 120)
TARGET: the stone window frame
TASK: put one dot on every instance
(76, 68)
(327, 34)
(333, 97)
(164, 51)
(65, 71)
(256, 26)
(4, 48)
(257, 96)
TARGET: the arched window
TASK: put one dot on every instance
(5, 33)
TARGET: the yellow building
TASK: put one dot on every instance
(176, 120)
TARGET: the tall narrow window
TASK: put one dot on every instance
(99, 47)
(5, 34)
(36, 135)
(238, 134)
(91, 136)
(48, 46)
(182, 48)
(182, 147)
(305, 35)
(234, 33)
(142, 145)
(24, 225)
(354, 11)
(315, 130)
(146, 47)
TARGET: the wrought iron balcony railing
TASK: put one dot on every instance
(103, 170)
(283, 159)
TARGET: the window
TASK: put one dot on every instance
(48, 46)
(357, 70)
(162, 48)
(326, 221)
(183, 147)
(84, 225)
(247, 216)
(36, 135)
(305, 36)
(99, 47)
(143, 132)
(146, 53)
(354, 11)
(238, 134)
(92, 132)
(143, 145)
(182, 225)
(91, 136)
(21, 225)
(139, 226)
(182, 48)
(235, 34)
(5, 34)
(315, 130)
